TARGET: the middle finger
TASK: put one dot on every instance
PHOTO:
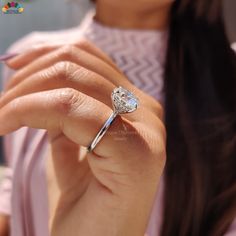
(72, 54)
(90, 62)
(69, 75)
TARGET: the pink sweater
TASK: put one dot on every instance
(23, 194)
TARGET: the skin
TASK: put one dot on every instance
(116, 184)
(144, 14)
(4, 229)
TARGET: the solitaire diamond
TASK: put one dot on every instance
(124, 101)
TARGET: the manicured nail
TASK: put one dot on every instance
(6, 57)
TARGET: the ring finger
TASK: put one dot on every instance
(83, 59)
(69, 75)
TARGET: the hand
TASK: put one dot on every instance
(66, 90)
(4, 225)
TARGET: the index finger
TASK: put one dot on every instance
(73, 113)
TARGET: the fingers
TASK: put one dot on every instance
(90, 48)
(28, 56)
(83, 55)
(76, 115)
(72, 54)
(34, 53)
(88, 61)
(4, 224)
(69, 75)
(63, 75)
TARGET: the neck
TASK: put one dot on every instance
(128, 16)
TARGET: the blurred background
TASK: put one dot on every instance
(58, 14)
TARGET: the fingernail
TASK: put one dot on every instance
(5, 57)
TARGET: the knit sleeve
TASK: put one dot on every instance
(8, 144)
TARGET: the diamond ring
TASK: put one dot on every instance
(123, 101)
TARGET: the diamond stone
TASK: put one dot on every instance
(124, 101)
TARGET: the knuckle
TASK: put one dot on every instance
(67, 52)
(64, 70)
(67, 100)
(84, 44)
(42, 49)
(15, 104)
(45, 49)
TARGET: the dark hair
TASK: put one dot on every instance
(200, 108)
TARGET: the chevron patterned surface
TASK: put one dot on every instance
(140, 54)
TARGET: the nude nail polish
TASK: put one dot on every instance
(5, 57)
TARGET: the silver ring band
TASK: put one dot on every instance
(123, 102)
(102, 131)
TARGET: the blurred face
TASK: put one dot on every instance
(141, 4)
(142, 14)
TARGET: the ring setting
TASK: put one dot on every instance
(123, 101)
